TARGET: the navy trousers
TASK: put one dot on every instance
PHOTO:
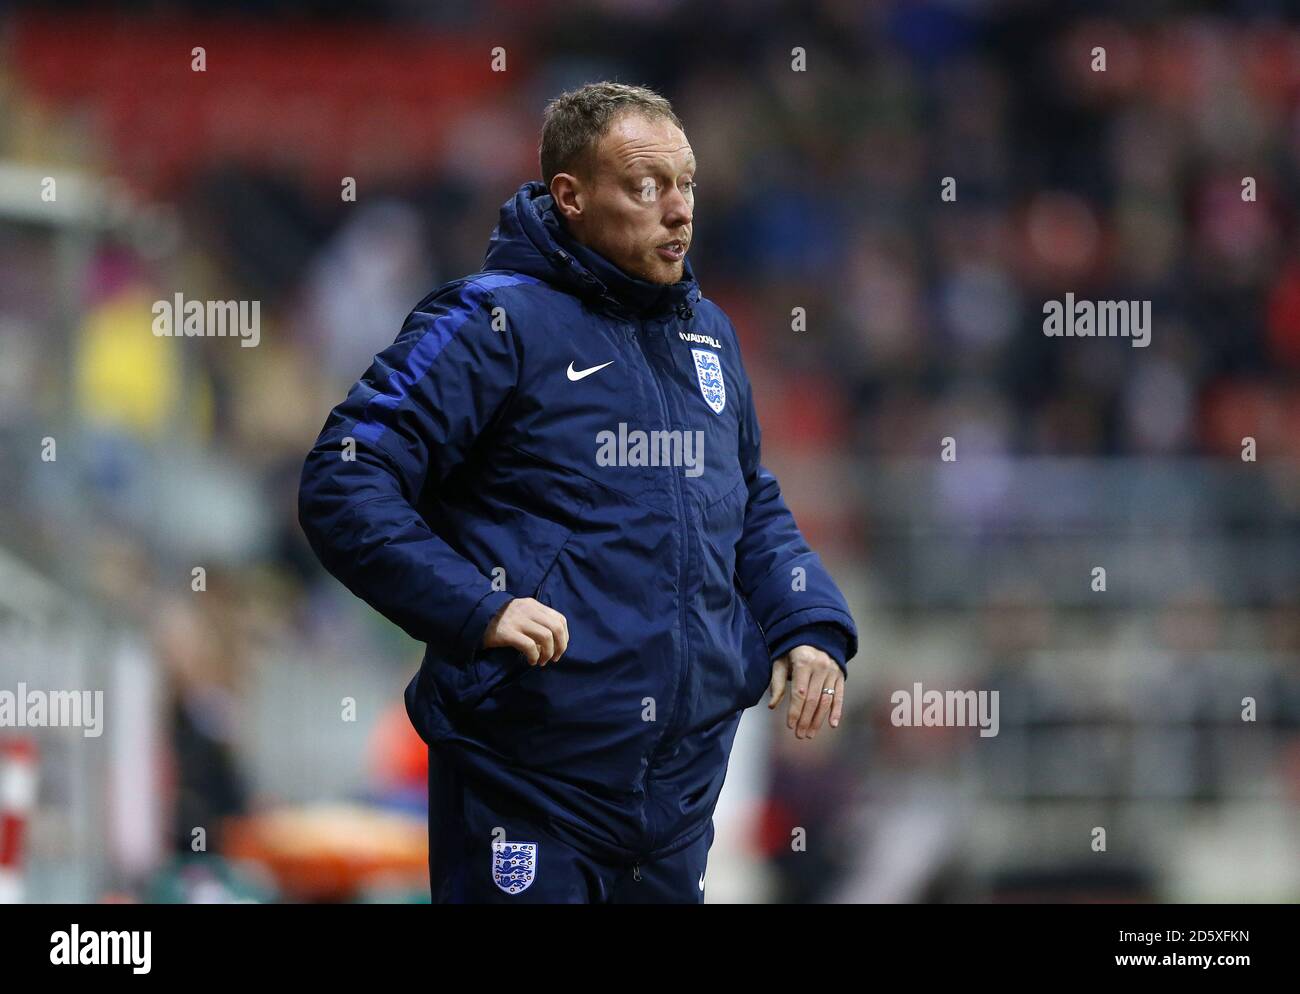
(484, 850)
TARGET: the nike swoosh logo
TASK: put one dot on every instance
(701, 881)
(579, 374)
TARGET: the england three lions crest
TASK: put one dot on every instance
(514, 864)
(709, 370)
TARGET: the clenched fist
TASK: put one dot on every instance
(539, 632)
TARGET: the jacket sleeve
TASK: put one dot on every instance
(405, 425)
(790, 592)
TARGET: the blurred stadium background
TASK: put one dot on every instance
(819, 189)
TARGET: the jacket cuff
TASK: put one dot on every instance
(471, 635)
(830, 639)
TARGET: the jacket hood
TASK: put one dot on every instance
(530, 238)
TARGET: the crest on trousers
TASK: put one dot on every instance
(709, 370)
(514, 864)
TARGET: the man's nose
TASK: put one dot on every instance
(677, 209)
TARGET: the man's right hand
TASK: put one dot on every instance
(539, 632)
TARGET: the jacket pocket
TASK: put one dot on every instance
(498, 667)
(539, 594)
(756, 655)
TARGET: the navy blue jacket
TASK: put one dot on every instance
(467, 467)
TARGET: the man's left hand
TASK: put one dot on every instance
(818, 689)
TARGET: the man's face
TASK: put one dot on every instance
(636, 207)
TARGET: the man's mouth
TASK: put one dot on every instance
(673, 251)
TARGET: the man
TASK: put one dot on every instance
(552, 478)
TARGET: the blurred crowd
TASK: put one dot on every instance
(826, 134)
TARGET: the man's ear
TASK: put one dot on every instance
(566, 189)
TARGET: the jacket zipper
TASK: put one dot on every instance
(682, 558)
